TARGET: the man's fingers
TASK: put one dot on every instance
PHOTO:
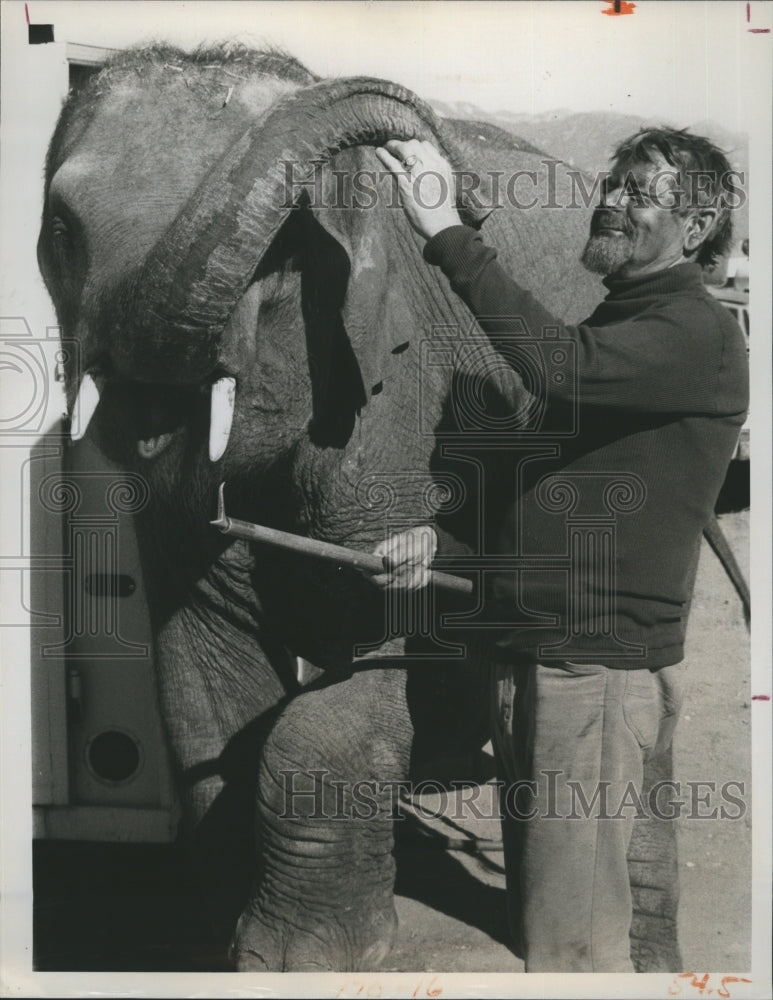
(395, 152)
(401, 148)
(406, 558)
(406, 551)
(392, 581)
(392, 163)
(396, 147)
(402, 581)
(391, 551)
(419, 577)
(423, 148)
(383, 547)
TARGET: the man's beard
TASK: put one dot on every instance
(606, 252)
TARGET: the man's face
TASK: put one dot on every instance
(636, 229)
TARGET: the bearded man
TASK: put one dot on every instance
(662, 392)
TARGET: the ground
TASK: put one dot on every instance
(119, 907)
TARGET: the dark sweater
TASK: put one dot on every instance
(661, 393)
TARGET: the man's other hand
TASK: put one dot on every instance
(407, 558)
(425, 184)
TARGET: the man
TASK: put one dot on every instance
(663, 390)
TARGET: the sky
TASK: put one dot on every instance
(685, 61)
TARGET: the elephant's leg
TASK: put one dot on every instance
(652, 867)
(324, 896)
(217, 693)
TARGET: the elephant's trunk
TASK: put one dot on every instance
(201, 267)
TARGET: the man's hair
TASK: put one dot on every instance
(703, 173)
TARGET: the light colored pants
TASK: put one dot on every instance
(562, 734)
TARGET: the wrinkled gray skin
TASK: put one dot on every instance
(171, 261)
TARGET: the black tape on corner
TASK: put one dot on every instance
(39, 34)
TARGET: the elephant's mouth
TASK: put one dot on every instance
(153, 413)
(148, 416)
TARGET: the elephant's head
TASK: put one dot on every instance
(204, 289)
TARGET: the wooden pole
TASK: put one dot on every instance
(338, 554)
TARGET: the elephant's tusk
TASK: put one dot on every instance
(85, 405)
(221, 414)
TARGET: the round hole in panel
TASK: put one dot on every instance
(114, 756)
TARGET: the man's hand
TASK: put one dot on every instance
(407, 557)
(425, 184)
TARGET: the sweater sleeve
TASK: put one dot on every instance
(660, 360)
(450, 545)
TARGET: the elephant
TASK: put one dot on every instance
(248, 305)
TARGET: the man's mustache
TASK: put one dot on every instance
(606, 218)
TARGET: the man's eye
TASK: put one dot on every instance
(613, 187)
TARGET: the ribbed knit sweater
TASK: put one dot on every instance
(660, 395)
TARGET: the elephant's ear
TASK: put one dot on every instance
(364, 306)
(355, 250)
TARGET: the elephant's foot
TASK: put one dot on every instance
(654, 931)
(342, 943)
(658, 956)
(327, 786)
(654, 875)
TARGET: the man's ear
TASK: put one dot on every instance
(698, 227)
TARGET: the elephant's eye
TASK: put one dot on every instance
(60, 234)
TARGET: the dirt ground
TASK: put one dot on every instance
(121, 907)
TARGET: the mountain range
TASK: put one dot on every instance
(587, 139)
